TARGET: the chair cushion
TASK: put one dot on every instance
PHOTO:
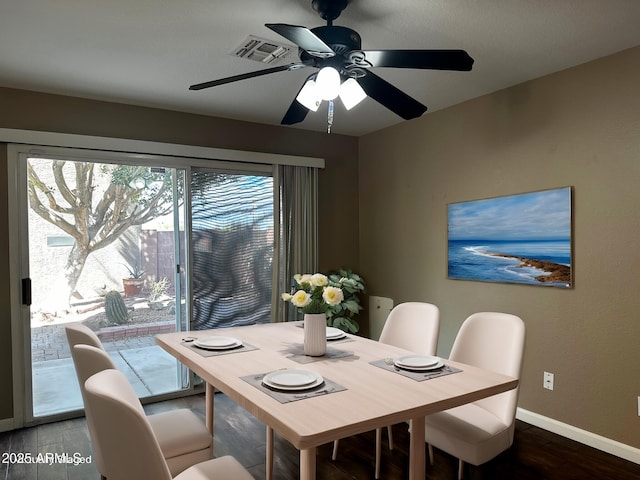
(223, 468)
(469, 432)
(179, 432)
(180, 463)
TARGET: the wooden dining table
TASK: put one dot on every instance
(369, 396)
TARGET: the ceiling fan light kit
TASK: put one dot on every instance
(345, 69)
(328, 82)
(309, 96)
(351, 93)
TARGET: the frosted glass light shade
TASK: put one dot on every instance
(328, 82)
(309, 96)
(351, 93)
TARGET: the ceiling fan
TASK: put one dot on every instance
(344, 69)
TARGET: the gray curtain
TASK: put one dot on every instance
(296, 247)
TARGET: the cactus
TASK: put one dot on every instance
(115, 308)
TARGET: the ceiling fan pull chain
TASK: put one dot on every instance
(330, 116)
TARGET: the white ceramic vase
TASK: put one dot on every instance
(315, 334)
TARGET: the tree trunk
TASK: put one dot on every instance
(73, 269)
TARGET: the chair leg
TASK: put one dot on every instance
(460, 469)
(269, 462)
(378, 450)
(334, 455)
(390, 435)
(431, 459)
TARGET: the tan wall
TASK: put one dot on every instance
(338, 182)
(579, 127)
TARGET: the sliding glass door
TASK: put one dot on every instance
(183, 243)
(98, 235)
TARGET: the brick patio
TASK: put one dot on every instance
(49, 342)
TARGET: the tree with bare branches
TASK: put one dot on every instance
(96, 215)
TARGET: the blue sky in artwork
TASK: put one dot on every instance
(529, 216)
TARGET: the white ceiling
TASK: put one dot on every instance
(148, 52)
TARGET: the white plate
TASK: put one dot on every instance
(217, 343)
(292, 379)
(438, 365)
(334, 333)
(417, 362)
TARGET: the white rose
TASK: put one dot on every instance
(301, 299)
(332, 295)
(319, 280)
(286, 297)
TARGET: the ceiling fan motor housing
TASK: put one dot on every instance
(329, 9)
(342, 40)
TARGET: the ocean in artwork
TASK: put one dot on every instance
(478, 260)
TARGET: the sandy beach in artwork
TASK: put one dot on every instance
(556, 273)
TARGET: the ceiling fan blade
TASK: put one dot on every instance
(244, 76)
(296, 112)
(391, 97)
(425, 59)
(304, 38)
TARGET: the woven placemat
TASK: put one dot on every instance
(327, 387)
(417, 376)
(245, 347)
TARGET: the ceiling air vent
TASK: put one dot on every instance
(261, 50)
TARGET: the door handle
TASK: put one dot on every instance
(26, 291)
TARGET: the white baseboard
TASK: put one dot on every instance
(582, 436)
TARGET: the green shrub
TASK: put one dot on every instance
(342, 316)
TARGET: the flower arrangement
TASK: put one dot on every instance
(313, 294)
(336, 295)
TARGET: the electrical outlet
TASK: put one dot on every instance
(547, 381)
(639, 406)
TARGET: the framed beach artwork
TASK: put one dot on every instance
(524, 238)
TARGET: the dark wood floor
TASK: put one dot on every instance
(536, 454)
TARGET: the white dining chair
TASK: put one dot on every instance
(414, 326)
(477, 432)
(78, 333)
(183, 438)
(129, 446)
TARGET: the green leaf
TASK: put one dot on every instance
(346, 324)
(352, 306)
